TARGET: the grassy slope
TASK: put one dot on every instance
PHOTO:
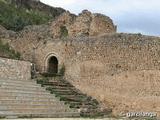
(14, 18)
(7, 52)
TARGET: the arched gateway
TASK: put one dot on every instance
(52, 65)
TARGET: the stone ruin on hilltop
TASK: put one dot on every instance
(85, 24)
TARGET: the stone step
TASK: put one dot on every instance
(12, 79)
(37, 110)
(49, 98)
(24, 95)
(27, 99)
(83, 106)
(29, 102)
(63, 88)
(77, 98)
(18, 81)
(65, 93)
(73, 96)
(24, 92)
(9, 103)
(57, 84)
(26, 107)
(36, 86)
(40, 115)
(19, 84)
(23, 89)
(18, 106)
(82, 102)
(5, 112)
(61, 83)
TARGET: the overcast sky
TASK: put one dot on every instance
(133, 16)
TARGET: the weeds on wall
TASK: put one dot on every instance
(62, 70)
(8, 52)
(64, 31)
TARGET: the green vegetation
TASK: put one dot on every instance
(151, 118)
(62, 70)
(64, 32)
(13, 18)
(2, 117)
(8, 52)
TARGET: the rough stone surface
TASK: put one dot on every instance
(120, 70)
(81, 25)
(85, 24)
(66, 19)
(14, 69)
(100, 25)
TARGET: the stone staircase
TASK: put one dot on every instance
(26, 98)
(66, 92)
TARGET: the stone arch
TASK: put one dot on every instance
(51, 64)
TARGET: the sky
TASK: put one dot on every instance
(130, 16)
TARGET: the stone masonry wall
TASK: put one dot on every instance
(120, 70)
(85, 24)
(14, 69)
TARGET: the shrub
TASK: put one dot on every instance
(8, 52)
(64, 31)
(14, 18)
(62, 70)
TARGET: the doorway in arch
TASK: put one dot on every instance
(52, 65)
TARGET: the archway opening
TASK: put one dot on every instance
(52, 65)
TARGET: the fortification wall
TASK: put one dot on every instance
(110, 54)
(115, 53)
(120, 70)
(14, 69)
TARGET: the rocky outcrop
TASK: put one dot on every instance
(37, 5)
(81, 25)
(101, 24)
(64, 20)
(85, 24)
(6, 33)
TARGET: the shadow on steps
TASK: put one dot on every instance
(66, 92)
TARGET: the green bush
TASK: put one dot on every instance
(8, 52)
(62, 70)
(16, 19)
(64, 31)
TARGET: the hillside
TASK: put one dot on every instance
(7, 52)
(16, 14)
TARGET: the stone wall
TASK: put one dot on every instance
(120, 70)
(85, 24)
(14, 69)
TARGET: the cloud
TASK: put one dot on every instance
(59, 2)
(129, 15)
